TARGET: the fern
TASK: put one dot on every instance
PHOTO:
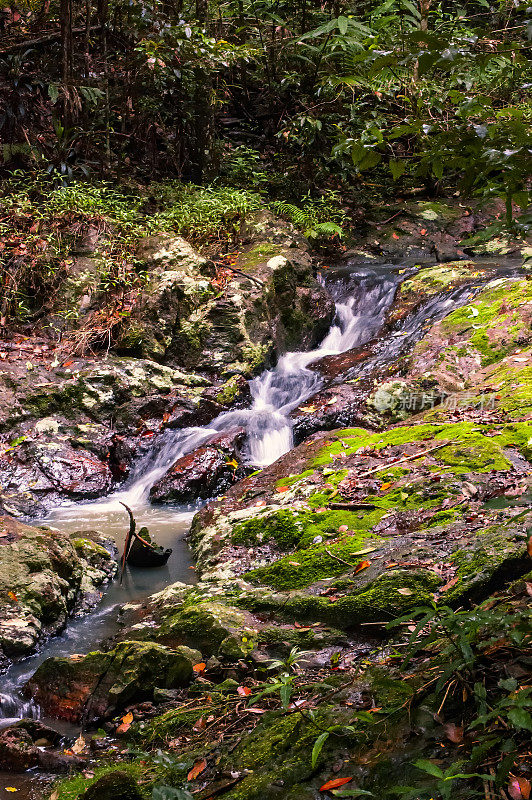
(317, 219)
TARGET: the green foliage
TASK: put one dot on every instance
(316, 218)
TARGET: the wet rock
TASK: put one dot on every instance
(94, 686)
(44, 576)
(203, 473)
(29, 744)
(331, 408)
(117, 785)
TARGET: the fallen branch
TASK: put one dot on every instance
(350, 506)
(51, 37)
(406, 458)
(341, 560)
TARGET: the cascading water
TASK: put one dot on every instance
(276, 392)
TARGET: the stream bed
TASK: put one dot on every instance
(363, 297)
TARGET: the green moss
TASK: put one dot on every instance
(228, 391)
(258, 255)
(72, 788)
(291, 479)
(493, 321)
(283, 527)
(308, 565)
(497, 555)
(470, 449)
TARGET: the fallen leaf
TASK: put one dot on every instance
(529, 547)
(455, 733)
(282, 489)
(335, 783)
(343, 528)
(294, 563)
(405, 591)
(199, 668)
(449, 585)
(198, 768)
(256, 710)
(80, 743)
(307, 409)
(385, 486)
(12, 596)
(423, 231)
(11, 789)
(243, 691)
(529, 589)
(361, 565)
(395, 235)
(332, 401)
(126, 723)
(519, 789)
(199, 725)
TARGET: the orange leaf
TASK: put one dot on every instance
(519, 789)
(126, 723)
(283, 488)
(243, 691)
(12, 596)
(423, 231)
(385, 486)
(199, 668)
(198, 767)
(395, 235)
(362, 565)
(334, 784)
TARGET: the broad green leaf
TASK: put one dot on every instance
(428, 766)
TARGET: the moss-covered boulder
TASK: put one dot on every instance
(190, 316)
(93, 686)
(480, 355)
(117, 785)
(44, 576)
(358, 526)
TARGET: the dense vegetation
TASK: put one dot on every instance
(263, 94)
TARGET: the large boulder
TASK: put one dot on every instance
(44, 576)
(225, 321)
(356, 526)
(91, 687)
(203, 473)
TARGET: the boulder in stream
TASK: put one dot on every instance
(91, 687)
(45, 575)
(203, 473)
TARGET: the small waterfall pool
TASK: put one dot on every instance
(362, 301)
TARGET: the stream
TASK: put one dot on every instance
(362, 301)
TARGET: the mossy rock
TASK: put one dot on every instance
(116, 785)
(93, 686)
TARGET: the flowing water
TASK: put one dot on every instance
(362, 300)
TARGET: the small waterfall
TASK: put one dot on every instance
(360, 312)
(13, 707)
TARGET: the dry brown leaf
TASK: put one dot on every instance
(455, 733)
(79, 745)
